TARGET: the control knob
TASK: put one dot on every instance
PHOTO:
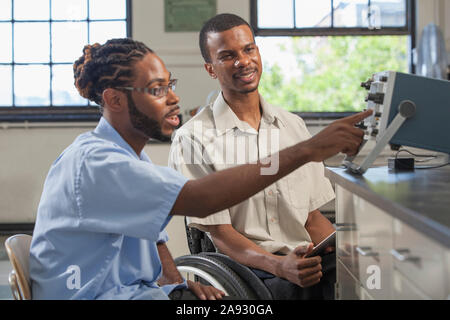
(378, 97)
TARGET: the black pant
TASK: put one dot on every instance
(282, 289)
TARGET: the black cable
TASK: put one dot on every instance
(433, 167)
(416, 155)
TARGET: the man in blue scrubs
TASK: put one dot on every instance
(99, 231)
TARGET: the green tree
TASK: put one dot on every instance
(331, 70)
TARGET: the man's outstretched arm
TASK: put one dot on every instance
(224, 189)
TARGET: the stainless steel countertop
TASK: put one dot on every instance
(419, 198)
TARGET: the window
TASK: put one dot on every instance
(315, 53)
(43, 38)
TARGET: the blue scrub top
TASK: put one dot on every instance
(102, 212)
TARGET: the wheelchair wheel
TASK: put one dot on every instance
(211, 271)
(261, 292)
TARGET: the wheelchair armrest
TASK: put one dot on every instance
(198, 241)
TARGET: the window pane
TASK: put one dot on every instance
(31, 10)
(310, 14)
(5, 87)
(102, 31)
(388, 13)
(32, 85)
(5, 9)
(5, 48)
(324, 73)
(68, 38)
(64, 91)
(107, 9)
(275, 14)
(31, 42)
(350, 13)
(69, 9)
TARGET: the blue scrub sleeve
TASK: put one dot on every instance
(119, 194)
(163, 237)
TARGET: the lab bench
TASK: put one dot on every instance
(393, 233)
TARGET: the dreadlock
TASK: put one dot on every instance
(107, 66)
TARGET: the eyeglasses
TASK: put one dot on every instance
(159, 92)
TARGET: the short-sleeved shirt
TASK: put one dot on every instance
(216, 139)
(102, 212)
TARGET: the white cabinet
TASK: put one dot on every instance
(420, 260)
(381, 257)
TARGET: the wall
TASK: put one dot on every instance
(437, 12)
(27, 150)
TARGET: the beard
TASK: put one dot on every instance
(148, 126)
(249, 90)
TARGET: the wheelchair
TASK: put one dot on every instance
(209, 267)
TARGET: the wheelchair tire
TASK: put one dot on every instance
(259, 289)
(209, 268)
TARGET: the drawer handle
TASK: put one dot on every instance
(346, 227)
(402, 255)
(366, 251)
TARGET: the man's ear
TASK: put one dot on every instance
(209, 68)
(114, 100)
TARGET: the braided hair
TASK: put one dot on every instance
(107, 66)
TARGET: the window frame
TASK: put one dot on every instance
(409, 30)
(51, 113)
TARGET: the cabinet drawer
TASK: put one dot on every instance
(346, 232)
(420, 260)
(403, 289)
(347, 286)
(374, 242)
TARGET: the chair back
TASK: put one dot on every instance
(18, 249)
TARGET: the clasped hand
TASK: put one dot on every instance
(305, 272)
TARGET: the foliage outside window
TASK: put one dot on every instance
(316, 63)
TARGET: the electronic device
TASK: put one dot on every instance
(401, 164)
(408, 110)
(325, 243)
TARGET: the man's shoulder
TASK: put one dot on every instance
(288, 116)
(87, 145)
(78, 146)
(204, 119)
(89, 142)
